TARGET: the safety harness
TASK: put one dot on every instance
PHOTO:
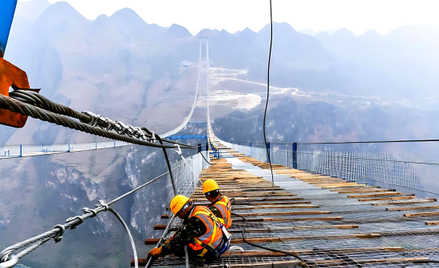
(214, 245)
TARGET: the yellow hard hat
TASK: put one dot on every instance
(178, 202)
(210, 185)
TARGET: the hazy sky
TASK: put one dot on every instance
(233, 15)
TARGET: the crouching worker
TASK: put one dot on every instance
(201, 232)
(220, 204)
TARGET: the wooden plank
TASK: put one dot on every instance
(348, 191)
(260, 203)
(337, 262)
(274, 207)
(287, 228)
(373, 195)
(346, 185)
(245, 199)
(404, 202)
(290, 263)
(412, 208)
(304, 237)
(152, 241)
(336, 218)
(366, 188)
(160, 226)
(242, 189)
(432, 223)
(271, 203)
(388, 198)
(421, 214)
(250, 194)
(263, 253)
(284, 213)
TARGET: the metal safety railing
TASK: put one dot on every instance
(402, 171)
(22, 150)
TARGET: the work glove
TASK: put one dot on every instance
(171, 238)
(155, 252)
(232, 201)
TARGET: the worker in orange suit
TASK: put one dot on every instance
(220, 204)
(205, 237)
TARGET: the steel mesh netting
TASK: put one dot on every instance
(409, 173)
(417, 241)
(322, 257)
(404, 172)
(234, 261)
(186, 173)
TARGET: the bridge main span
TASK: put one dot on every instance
(323, 221)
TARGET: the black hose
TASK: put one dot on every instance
(266, 248)
(266, 104)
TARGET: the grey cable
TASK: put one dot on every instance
(133, 245)
(186, 257)
(39, 113)
(151, 260)
(207, 161)
(38, 100)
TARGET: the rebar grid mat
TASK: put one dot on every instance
(326, 221)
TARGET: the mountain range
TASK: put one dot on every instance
(324, 88)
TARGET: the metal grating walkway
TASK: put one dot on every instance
(326, 221)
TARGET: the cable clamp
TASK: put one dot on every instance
(120, 128)
(102, 204)
(94, 118)
(60, 234)
(102, 122)
(152, 139)
(11, 262)
(131, 131)
(110, 125)
(79, 218)
(178, 150)
(139, 133)
(89, 210)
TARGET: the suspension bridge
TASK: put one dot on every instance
(320, 209)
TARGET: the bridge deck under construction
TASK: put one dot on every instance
(326, 221)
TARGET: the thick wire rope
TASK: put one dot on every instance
(186, 257)
(39, 101)
(266, 147)
(38, 113)
(151, 260)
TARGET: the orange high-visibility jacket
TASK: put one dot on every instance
(213, 235)
(225, 208)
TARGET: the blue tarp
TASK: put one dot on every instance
(7, 10)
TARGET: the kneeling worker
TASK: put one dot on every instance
(201, 232)
(220, 204)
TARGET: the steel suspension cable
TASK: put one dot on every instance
(44, 115)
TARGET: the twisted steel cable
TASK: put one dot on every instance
(38, 100)
(39, 113)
